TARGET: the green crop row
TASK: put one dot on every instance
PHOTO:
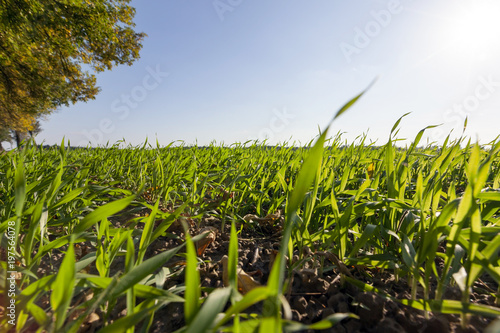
(396, 209)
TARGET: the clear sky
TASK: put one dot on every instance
(233, 70)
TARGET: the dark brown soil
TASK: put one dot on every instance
(316, 290)
(316, 293)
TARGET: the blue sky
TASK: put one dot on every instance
(233, 70)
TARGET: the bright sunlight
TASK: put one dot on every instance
(472, 28)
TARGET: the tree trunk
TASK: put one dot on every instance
(19, 136)
(31, 135)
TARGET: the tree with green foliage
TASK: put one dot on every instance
(45, 43)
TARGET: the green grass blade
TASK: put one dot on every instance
(103, 212)
(270, 324)
(252, 297)
(68, 197)
(138, 273)
(20, 188)
(453, 307)
(193, 292)
(127, 322)
(475, 232)
(141, 291)
(306, 175)
(408, 252)
(352, 101)
(396, 124)
(158, 231)
(20, 199)
(63, 287)
(147, 233)
(305, 178)
(361, 241)
(129, 264)
(291, 326)
(438, 306)
(214, 304)
(232, 263)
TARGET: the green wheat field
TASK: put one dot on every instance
(429, 216)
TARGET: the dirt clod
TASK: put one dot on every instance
(389, 325)
(370, 308)
(437, 324)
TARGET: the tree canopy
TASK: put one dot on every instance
(50, 51)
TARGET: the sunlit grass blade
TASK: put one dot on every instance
(138, 273)
(93, 304)
(147, 232)
(141, 290)
(213, 305)
(20, 187)
(68, 197)
(252, 297)
(437, 306)
(270, 324)
(63, 287)
(102, 212)
(165, 224)
(193, 292)
(305, 177)
(129, 321)
(129, 264)
(361, 241)
(20, 198)
(352, 101)
(232, 264)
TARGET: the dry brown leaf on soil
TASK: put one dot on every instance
(226, 195)
(92, 320)
(272, 258)
(90, 324)
(202, 244)
(80, 252)
(250, 217)
(273, 217)
(245, 281)
(334, 259)
(178, 263)
(268, 219)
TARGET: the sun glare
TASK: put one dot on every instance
(473, 28)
